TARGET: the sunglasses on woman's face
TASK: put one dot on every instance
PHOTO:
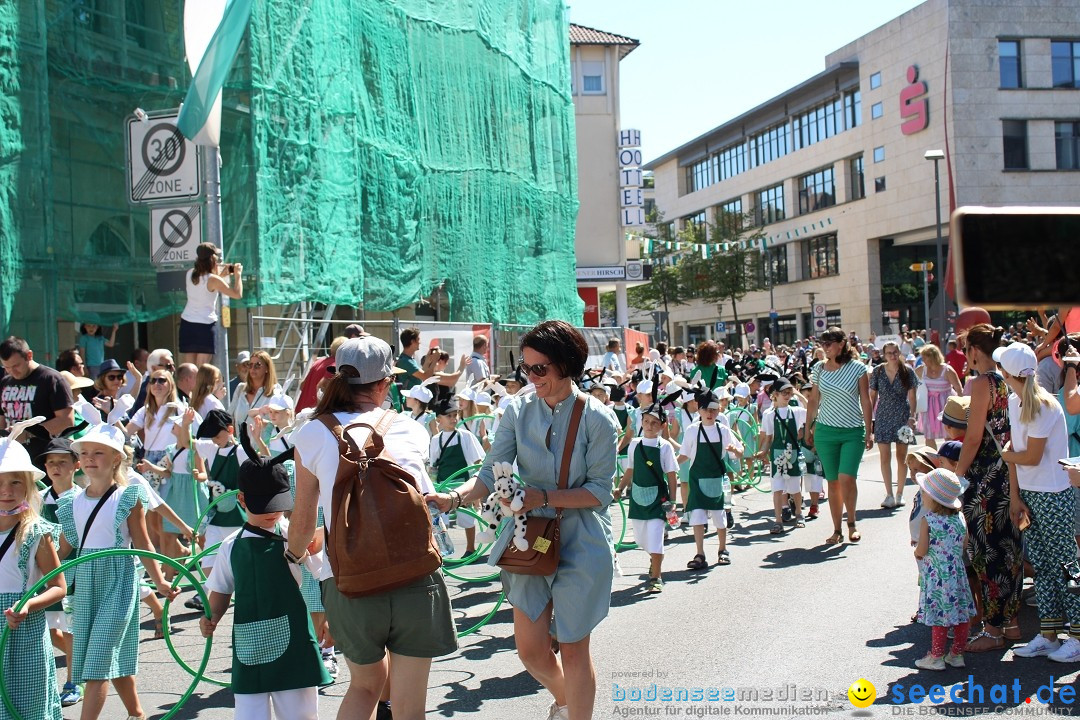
(539, 370)
(257, 365)
(159, 381)
(115, 377)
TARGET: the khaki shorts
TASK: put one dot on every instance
(414, 620)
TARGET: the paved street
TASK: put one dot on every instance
(788, 616)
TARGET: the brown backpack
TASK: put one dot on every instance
(380, 529)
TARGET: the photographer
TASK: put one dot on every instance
(434, 365)
(199, 318)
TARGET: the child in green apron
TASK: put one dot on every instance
(705, 445)
(780, 439)
(451, 450)
(627, 417)
(276, 658)
(652, 489)
(814, 479)
(61, 462)
(27, 551)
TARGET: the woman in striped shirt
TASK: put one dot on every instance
(840, 399)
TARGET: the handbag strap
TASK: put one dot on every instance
(10, 539)
(94, 513)
(568, 448)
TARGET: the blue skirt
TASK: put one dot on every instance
(197, 337)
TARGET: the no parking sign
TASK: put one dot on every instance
(175, 232)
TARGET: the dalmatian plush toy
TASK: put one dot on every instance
(492, 512)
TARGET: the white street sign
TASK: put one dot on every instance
(162, 163)
(175, 232)
(819, 310)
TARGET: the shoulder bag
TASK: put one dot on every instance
(542, 533)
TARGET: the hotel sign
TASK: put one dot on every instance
(631, 197)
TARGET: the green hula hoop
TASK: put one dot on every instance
(111, 552)
(621, 545)
(487, 618)
(462, 421)
(471, 557)
(197, 674)
(445, 484)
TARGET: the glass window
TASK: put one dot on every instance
(1065, 63)
(819, 257)
(774, 266)
(879, 154)
(1067, 140)
(768, 145)
(858, 185)
(592, 78)
(770, 205)
(877, 110)
(731, 161)
(818, 123)
(853, 108)
(730, 215)
(1014, 144)
(875, 81)
(698, 176)
(1009, 63)
(816, 191)
(879, 184)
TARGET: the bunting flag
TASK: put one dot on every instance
(704, 252)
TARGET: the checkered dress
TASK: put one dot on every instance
(106, 617)
(310, 589)
(28, 667)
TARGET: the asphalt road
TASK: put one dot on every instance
(783, 631)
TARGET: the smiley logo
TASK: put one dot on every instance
(862, 693)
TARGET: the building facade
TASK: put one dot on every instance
(834, 172)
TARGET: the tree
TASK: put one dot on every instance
(725, 274)
(665, 287)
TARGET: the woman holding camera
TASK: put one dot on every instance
(203, 284)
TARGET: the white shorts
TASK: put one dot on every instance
(701, 517)
(214, 535)
(465, 520)
(814, 483)
(58, 620)
(786, 483)
(649, 535)
(299, 704)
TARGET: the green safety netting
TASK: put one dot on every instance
(371, 153)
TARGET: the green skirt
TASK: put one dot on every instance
(29, 669)
(106, 619)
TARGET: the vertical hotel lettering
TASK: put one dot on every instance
(631, 198)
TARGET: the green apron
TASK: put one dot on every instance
(707, 474)
(451, 459)
(785, 440)
(623, 415)
(274, 645)
(227, 513)
(648, 489)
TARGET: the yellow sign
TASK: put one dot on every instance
(921, 267)
(541, 544)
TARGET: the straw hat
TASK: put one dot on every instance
(942, 485)
(76, 383)
(955, 412)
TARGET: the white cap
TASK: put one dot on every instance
(742, 390)
(421, 393)
(672, 387)
(645, 386)
(482, 398)
(107, 435)
(15, 458)
(280, 401)
(654, 354)
(466, 393)
(1017, 359)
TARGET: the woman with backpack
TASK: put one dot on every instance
(387, 631)
(576, 596)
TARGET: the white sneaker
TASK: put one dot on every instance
(899, 500)
(558, 712)
(954, 660)
(1038, 647)
(888, 502)
(930, 663)
(1068, 652)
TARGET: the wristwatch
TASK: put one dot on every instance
(295, 559)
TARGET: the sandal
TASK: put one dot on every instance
(698, 563)
(853, 534)
(159, 630)
(989, 643)
(723, 558)
(799, 522)
(777, 529)
(835, 539)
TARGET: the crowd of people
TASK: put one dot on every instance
(147, 456)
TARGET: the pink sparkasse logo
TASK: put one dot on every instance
(914, 105)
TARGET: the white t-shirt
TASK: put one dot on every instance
(153, 500)
(221, 580)
(715, 433)
(211, 452)
(470, 446)
(201, 304)
(101, 533)
(1048, 475)
(160, 434)
(317, 450)
(668, 461)
(210, 403)
(767, 423)
(11, 577)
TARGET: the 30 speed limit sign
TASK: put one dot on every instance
(162, 164)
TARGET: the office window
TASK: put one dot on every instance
(1065, 64)
(1014, 144)
(697, 176)
(592, 78)
(774, 266)
(819, 257)
(770, 205)
(816, 191)
(853, 108)
(875, 81)
(1067, 140)
(731, 161)
(818, 123)
(768, 145)
(730, 215)
(879, 184)
(1009, 63)
(876, 110)
(879, 154)
(858, 184)
(697, 220)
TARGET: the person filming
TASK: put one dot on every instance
(203, 284)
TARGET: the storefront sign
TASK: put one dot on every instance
(631, 196)
(914, 105)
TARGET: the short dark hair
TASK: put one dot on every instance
(613, 343)
(66, 359)
(661, 347)
(13, 345)
(479, 341)
(137, 353)
(563, 345)
(409, 336)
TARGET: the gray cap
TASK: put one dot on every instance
(369, 356)
(242, 357)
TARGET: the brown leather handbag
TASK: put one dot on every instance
(542, 533)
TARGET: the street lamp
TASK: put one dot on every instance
(936, 156)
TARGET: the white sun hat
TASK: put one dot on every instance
(13, 455)
(107, 435)
(421, 393)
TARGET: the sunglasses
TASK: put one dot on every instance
(159, 381)
(257, 365)
(539, 370)
(115, 377)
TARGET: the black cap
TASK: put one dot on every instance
(446, 407)
(353, 330)
(950, 450)
(780, 384)
(214, 422)
(265, 487)
(108, 366)
(59, 446)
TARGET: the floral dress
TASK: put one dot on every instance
(944, 595)
(993, 541)
(893, 410)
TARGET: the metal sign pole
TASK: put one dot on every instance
(212, 170)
